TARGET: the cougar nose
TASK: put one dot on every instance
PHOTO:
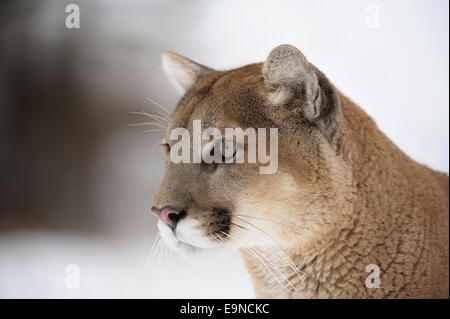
(169, 215)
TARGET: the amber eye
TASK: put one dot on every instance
(165, 147)
(219, 151)
(228, 147)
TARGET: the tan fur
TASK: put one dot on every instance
(344, 195)
(399, 221)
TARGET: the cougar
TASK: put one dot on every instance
(346, 214)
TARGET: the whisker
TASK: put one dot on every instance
(228, 223)
(157, 104)
(148, 124)
(287, 261)
(280, 222)
(154, 257)
(281, 273)
(266, 219)
(152, 250)
(160, 113)
(270, 237)
(166, 254)
(160, 118)
(293, 266)
(255, 254)
(146, 131)
(160, 251)
(251, 250)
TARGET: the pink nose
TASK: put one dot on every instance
(168, 214)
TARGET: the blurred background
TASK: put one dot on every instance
(76, 181)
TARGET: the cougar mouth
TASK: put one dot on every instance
(193, 234)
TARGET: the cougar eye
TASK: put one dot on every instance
(166, 147)
(227, 150)
(219, 151)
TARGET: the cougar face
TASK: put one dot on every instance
(201, 206)
(337, 198)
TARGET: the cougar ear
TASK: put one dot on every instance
(291, 79)
(182, 72)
